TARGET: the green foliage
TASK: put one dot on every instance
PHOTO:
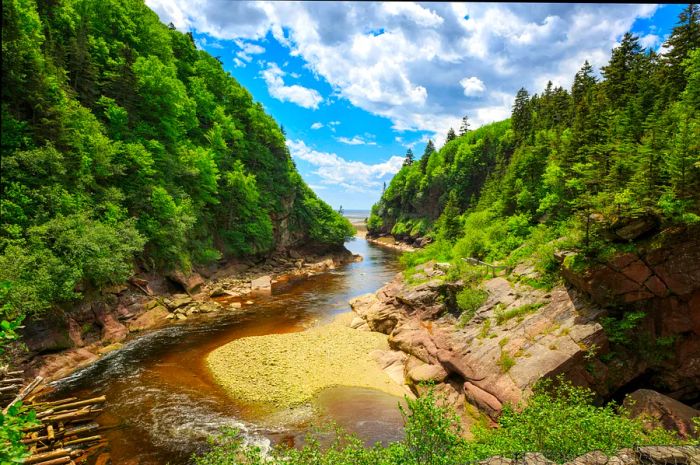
(619, 330)
(503, 316)
(559, 421)
(505, 361)
(17, 418)
(567, 165)
(122, 142)
(468, 301)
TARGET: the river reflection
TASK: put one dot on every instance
(162, 403)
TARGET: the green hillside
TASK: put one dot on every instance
(122, 143)
(572, 165)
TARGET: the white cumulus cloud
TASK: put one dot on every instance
(300, 95)
(353, 175)
(472, 86)
(418, 65)
(355, 140)
(317, 125)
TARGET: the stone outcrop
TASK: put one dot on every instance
(468, 362)
(646, 455)
(662, 279)
(658, 410)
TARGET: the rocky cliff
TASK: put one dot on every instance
(577, 329)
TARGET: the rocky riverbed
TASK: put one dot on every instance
(62, 341)
(280, 371)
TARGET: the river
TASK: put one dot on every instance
(162, 403)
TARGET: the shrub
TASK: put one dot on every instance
(504, 315)
(468, 301)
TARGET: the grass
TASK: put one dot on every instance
(506, 362)
(485, 328)
(503, 316)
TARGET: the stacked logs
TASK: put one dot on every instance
(64, 431)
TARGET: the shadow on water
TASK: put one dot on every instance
(162, 403)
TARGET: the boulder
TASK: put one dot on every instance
(676, 455)
(263, 283)
(427, 373)
(632, 229)
(189, 282)
(48, 333)
(112, 329)
(150, 319)
(484, 401)
(656, 409)
(178, 301)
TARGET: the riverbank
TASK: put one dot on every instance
(285, 370)
(390, 242)
(60, 343)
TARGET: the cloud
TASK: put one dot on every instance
(317, 125)
(414, 71)
(246, 50)
(472, 86)
(356, 140)
(302, 96)
(352, 175)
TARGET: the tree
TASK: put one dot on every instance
(522, 114)
(464, 128)
(621, 77)
(684, 39)
(451, 135)
(450, 226)
(408, 161)
(340, 210)
(429, 149)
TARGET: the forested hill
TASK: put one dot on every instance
(122, 143)
(570, 163)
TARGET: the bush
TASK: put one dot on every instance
(468, 301)
(559, 421)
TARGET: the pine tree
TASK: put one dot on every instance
(450, 226)
(684, 39)
(522, 114)
(451, 135)
(464, 128)
(429, 148)
(408, 161)
(621, 72)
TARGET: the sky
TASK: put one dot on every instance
(356, 84)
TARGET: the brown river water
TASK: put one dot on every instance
(162, 403)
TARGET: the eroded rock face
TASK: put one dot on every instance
(664, 283)
(468, 363)
(190, 283)
(659, 410)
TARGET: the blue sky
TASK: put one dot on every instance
(355, 84)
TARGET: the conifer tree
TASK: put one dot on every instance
(684, 39)
(464, 128)
(408, 161)
(429, 148)
(451, 135)
(521, 117)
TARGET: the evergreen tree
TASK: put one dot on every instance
(449, 223)
(429, 148)
(451, 135)
(408, 161)
(522, 114)
(464, 128)
(621, 78)
(684, 39)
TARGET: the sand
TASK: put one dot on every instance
(286, 370)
